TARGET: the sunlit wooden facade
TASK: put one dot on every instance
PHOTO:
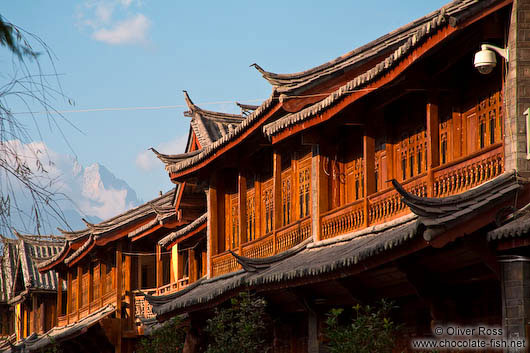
(395, 171)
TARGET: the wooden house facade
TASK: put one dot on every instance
(28, 297)
(395, 171)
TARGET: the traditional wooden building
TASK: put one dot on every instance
(397, 171)
(28, 297)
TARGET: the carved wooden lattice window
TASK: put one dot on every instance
(412, 153)
(286, 198)
(269, 206)
(490, 121)
(304, 181)
(354, 179)
(234, 222)
(251, 215)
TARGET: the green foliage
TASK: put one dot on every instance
(168, 338)
(370, 330)
(242, 327)
(13, 38)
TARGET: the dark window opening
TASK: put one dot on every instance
(444, 151)
(482, 134)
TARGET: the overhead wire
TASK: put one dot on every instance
(164, 107)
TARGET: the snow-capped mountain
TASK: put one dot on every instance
(94, 192)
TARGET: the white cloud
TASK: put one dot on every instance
(147, 160)
(114, 22)
(130, 31)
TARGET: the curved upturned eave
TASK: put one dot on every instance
(378, 76)
(220, 147)
(295, 83)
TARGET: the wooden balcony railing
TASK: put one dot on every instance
(464, 174)
(343, 219)
(387, 205)
(282, 239)
(224, 263)
(74, 316)
(448, 179)
(143, 309)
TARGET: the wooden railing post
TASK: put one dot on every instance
(369, 170)
(242, 215)
(277, 194)
(128, 290)
(433, 146)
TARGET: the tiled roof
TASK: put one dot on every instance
(429, 219)
(183, 231)
(440, 214)
(310, 260)
(175, 163)
(298, 82)
(23, 255)
(407, 39)
(37, 342)
(517, 227)
(162, 208)
(210, 126)
(393, 48)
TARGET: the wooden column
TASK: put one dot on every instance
(33, 314)
(68, 295)
(242, 201)
(257, 208)
(159, 269)
(119, 279)
(59, 298)
(128, 290)
(192, 263)
(369, 170)
(79, 288)
(318, 192)
(42, 317)
(433, 144)
(139, 271)
(212, 233)
(277, 193)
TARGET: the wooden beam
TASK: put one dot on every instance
(242, 215)
(433, 143)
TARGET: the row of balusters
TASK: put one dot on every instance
(461, 179)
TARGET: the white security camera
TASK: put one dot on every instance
(485, 60)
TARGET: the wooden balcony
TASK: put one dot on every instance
(143, 309)
(108, 298)
(282, 239)
(449, 179)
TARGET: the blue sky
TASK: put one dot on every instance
(141, 53)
